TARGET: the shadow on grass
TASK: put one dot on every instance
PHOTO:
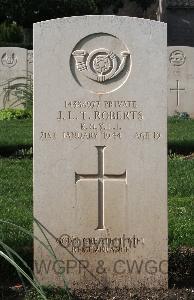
(16, 151)
(181, 147)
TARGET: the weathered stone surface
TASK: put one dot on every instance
(180, 80)
(100, 169)
(13, 64)
(30, 63)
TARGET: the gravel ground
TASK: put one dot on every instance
(118, 294)
(124, 294)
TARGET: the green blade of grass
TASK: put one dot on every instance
(14, 264)
(43, 244)
(11, 251)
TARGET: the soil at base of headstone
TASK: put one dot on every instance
(144, 294)
(117, 294)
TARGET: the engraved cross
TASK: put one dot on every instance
(101, 176)
(177, 89)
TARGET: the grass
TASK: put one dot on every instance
(15, 135)
(180, 135)
(181, 202)
(15, 207)
(181, 222)
(180, 177)
(15, 199)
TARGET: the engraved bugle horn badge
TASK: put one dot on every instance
(101, 64)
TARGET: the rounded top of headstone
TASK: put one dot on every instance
(102, 17)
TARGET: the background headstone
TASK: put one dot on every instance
(100, 163)
(13, 64)
(180, 80)
(30, 63)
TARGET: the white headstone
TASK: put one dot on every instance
(13, 64)
(180, 80)
(100, 163)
